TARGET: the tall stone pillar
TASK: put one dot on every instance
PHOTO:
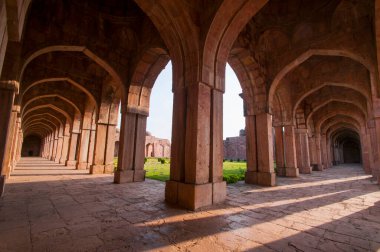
(8, 89)
(65, 145)
(55, 145)
(324, 151)
(290, 152)
(280, 151)
(259, 134)
(376, 149)
(313, 153)
(200, 182)
(302, 149)
(318, 152)
(7, 163)
(105, 132)
(91, 147)
(19, 146)
(329, 152)
(51, 145)
(365, 145)
(71, 158)
(59, 145)
(15, 142)
(104, 149)
(131, 148)
(84, 142)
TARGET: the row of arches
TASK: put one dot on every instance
(308, 71)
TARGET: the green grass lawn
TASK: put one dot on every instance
(232, 171)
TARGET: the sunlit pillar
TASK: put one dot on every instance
(200, 182)
(131, 147)
(260, 136)
(65, 144)
(8, 89)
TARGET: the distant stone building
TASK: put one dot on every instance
(154, 147)
(235, 147)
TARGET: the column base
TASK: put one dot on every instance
(192, 197)
(2, 185)
(70, 163)
(81, 166)
(260, 178)
(292, 172)
(56, 160)
(317, 167)
(281, 171)
(62, 161)
(305, 170)
(102, 169)
(128, 176)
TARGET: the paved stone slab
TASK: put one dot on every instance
(69, 210)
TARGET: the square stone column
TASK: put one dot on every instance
(59, 149)
(51, 145)
(324, 151)
(313, 154)
(280, 151)
(103, 149)
(260, 168)
(8, 89)
(65, 148)
(91, 148)
(19, 146)
(302, 150)
(197, 108)
(84, 144)
(318, 152)
(290, 152)
(7, 162)
(12, 162)
(55, 145)
(131, 148)
(376, 148)
(71, 158)
(365, 145)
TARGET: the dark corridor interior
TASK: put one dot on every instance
(351, 152)
(31, 146)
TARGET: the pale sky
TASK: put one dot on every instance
(161, 105)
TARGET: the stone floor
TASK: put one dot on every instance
(49, 207)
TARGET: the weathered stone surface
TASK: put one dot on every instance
(336, 209)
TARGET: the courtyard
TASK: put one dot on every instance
(50, 207)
